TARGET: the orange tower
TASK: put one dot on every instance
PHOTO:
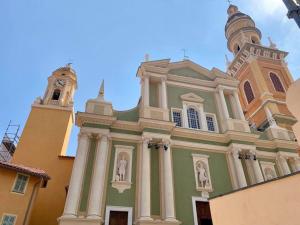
(263, 74)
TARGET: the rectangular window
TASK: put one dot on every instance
(20, 183)
(210, 123)
(8, 220)
(177, 118)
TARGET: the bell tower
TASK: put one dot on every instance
(263, 74)
(61, 87)
(44, 141)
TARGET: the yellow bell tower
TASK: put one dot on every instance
(44, 142)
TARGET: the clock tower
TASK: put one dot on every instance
(61, 87)
(44, 141)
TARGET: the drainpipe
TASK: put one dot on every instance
(31, 201)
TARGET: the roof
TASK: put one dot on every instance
(24, 169)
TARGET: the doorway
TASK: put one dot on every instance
(116, 215)
(203, 213)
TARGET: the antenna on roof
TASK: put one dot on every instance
(185, 57)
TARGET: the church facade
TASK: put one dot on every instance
(194, 134)
(188, 139)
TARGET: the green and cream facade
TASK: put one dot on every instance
(184, 142)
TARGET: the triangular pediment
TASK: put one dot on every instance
(191, 97)
(188, 68)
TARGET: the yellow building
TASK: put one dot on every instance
(44, 142)
(18, 191)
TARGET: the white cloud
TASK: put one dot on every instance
(261, 9)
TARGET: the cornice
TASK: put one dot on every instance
(83, 117)
(254, 50)
(155, 124)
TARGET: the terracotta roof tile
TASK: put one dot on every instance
(25, 169)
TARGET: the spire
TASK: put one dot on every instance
(101, 92)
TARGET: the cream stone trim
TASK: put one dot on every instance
(83, 117)
(25, 188)
(190, 86)
(118, 208)
(63, 108)
(198, 146)
(215, 121)
(126, 184)
(269, 165)
(9, 214)
(194, 200)
(204, 159)
(191, 97)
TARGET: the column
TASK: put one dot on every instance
(75, 185)
(238, 106)
(168, 184)
(98, 179)
(164, 103)
(257, 171)
(239, 169)
(185, 116)
(145, 213)
(203, 119)
(223, 103)
(146, 91)
(283, 165)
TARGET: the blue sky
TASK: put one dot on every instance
(108, 40)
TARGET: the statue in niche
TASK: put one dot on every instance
(121, 172)
(202, 175)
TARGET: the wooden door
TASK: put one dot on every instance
(203, 213)
(118, 218)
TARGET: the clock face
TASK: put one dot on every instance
(60, 83)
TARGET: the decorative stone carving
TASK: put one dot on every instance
(268, 169)
(121, 179)
(202, 173)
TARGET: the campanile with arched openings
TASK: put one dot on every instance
(44, 141)
(262, 71)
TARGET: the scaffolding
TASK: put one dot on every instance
(9, 142)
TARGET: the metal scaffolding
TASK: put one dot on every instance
(9, 142)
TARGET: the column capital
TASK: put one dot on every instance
(146, 139)
(83, 134)
(163, 79)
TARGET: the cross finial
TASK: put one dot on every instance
(229, 2)
(185, 57)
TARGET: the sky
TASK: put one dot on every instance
(109, 39)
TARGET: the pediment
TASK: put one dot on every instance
(188, 68)
(191, 97)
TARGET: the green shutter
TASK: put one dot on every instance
(20, 183)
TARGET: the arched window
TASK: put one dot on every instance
(276, 82)
(193, 118)
(56, 94)
(248, 92)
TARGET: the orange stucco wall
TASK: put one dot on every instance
(44, 138)
(14, 203)
(257, 73)
(273, 203)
